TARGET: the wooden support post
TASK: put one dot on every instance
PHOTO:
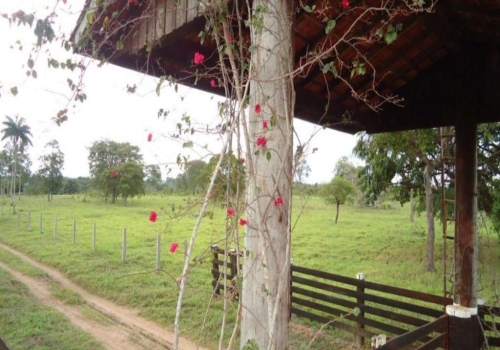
(360, 340)
(94, 238)
(55, 227)
(215, 269)
(124, 245)
(463, 314)
(460, 331)
(158, 253)
(74, 231)
(232, 264)
(40, 224)
(28, 221)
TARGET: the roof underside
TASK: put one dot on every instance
(445, 65)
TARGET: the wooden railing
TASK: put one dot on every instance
(225, 268)
(439, 326)
(490, 322)
(323, 297)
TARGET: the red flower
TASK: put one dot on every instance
(264, 124)
(242, 160)
(345, 4)
(229, 39)
(257, 108)
(213, 83)
(153, 216)
(174, 247)
(150, 137)
(198, 58)
(243, 222)
(278, 201)
(230, 212)
(132, 1)
(114, 173)
(261, 141)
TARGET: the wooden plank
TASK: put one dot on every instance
(369, 297)
(160, 17)
(151, 22)
(3, 346)
(436, 343)
(491, 326)
(493, 341)
(413, 321)
(375, 286)
(489, 310)
(415, 335)
(334, 324)
(170, 18)
(181, 13)
(363, 320)
(192, 11)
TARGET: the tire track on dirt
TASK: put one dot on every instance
(127, 321)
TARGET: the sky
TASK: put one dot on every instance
(110, 112)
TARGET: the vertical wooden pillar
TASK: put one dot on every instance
(215, 269)
(360, 289)
(463, 330)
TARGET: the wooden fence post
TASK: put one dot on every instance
(124, 245)
(215, 269)
(55, 227)
(74, 231)
(291, 293)
(158, 253)
(360, 289)
(461, 332)
(94, 238)
(28, 221)
(40, 224)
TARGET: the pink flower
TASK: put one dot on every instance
(64, 2)
(229, 39)
(153, 216)
(213, 83)
(261, 141)
(242, 160)
(132, 1)
(230, 212)
(264, 124)
(243, 222)
(345, 4)
(198, 58)
(150, 137)
(174, 247)
(278, 201)
(257, 108)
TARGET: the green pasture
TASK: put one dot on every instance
(382, 243)
(25, 324)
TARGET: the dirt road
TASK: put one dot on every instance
(126, 329)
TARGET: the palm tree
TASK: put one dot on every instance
(18, 132)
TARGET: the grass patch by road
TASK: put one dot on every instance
(383, 244)
(25, 324)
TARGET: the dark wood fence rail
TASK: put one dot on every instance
(410, 319)
(490, 321)
(319, 295)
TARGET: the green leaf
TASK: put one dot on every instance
(308, 8)
(379, 33)
(274, 121)
(34, 74)
(268, 156)
(90, 17)
(188, 144)
(390, 37)
(13, 90)
(326, 68)
(330, 25)
(31, 63)
(158, 86)
(356, 311)
(119, 45)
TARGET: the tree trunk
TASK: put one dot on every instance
(337, 216)
(266, 269)
(429, 208)
(412, 206)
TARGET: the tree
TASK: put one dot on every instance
(130, 180)
(106, 156)
(70, 186)
(346, 170)
(52, 163)
(19, 133)
(153, 177)
(194, 178)
(231, 176)
(302, 171)
(337, 192)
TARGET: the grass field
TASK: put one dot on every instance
(383, 244)
(28, 325)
